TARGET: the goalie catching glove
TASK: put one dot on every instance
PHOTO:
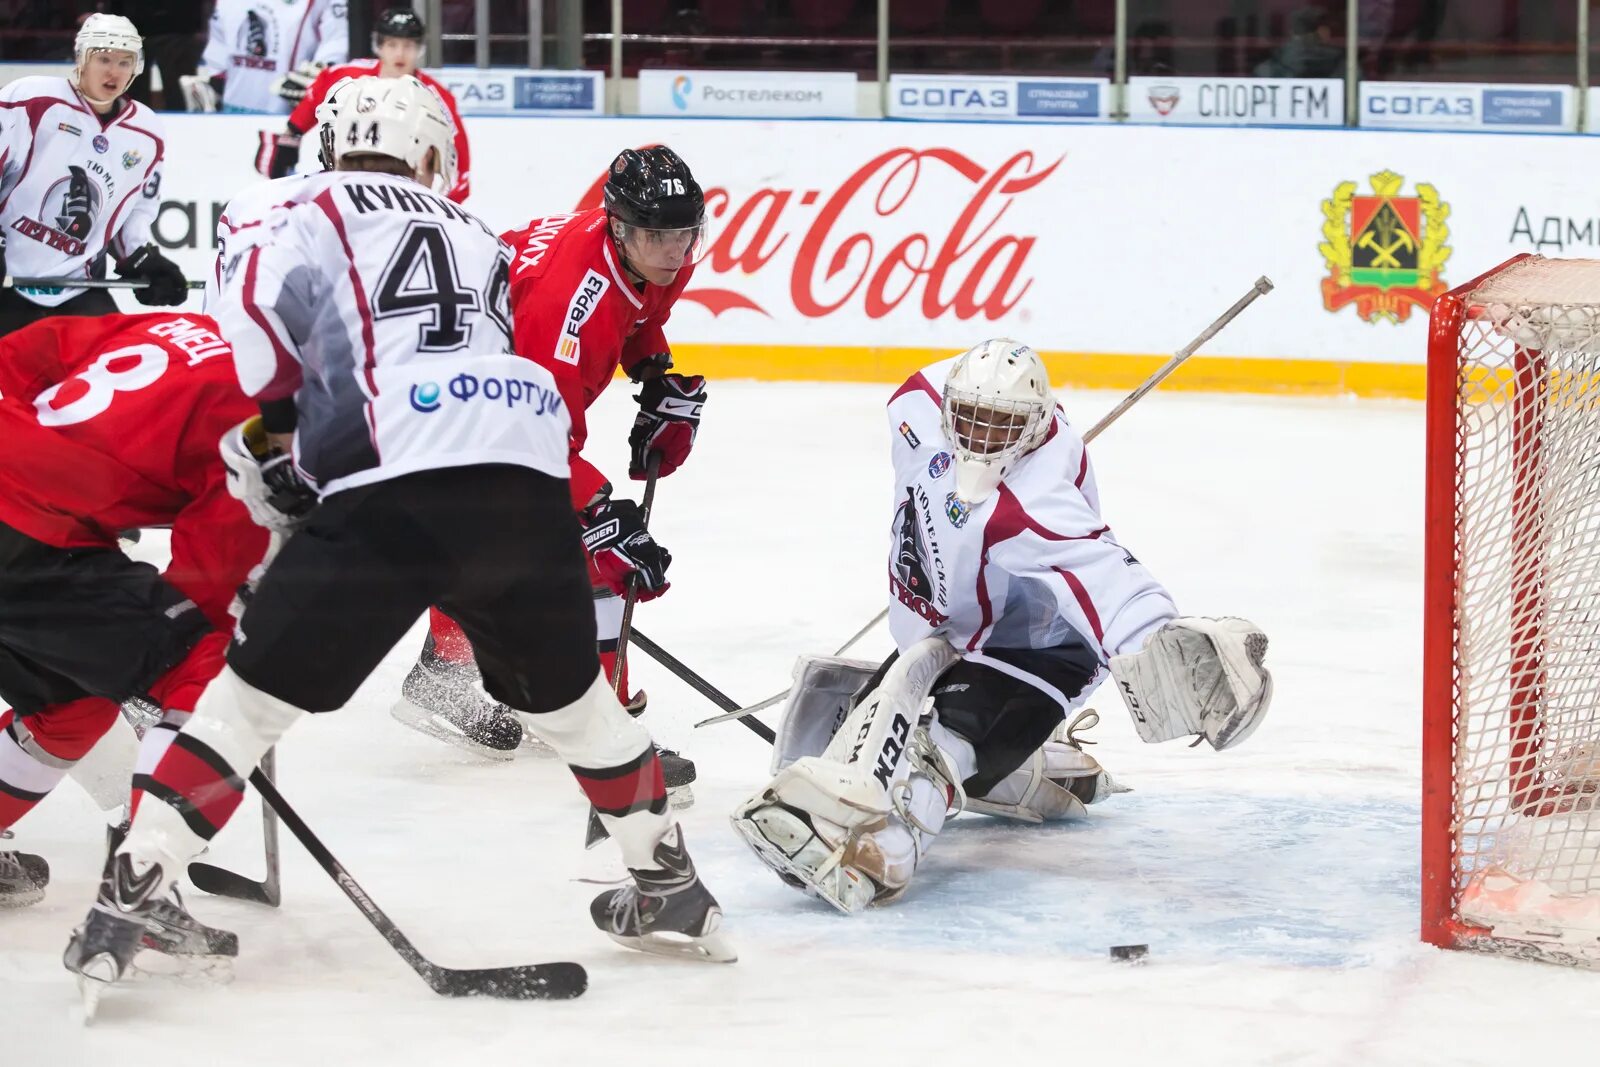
(615, 537)
(1197, 676)
(265, 481)
(668, 419)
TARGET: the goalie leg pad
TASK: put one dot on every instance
(1197, 676)
(1056, 783)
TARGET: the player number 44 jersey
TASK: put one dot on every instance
(382, 308)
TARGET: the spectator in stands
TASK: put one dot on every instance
(1308, 53)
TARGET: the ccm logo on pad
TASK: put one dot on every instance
(582, 305)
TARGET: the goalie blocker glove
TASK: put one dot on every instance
(1197, 676)
(165, 284)
(616, 539)
(668, 419)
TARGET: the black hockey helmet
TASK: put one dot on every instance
(397, 22)
(652, 189)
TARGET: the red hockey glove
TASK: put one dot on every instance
(669, 417)
(615, 537)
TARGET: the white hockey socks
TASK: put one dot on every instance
(615, 763)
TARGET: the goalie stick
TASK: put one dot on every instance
(1262, 286)
(534, 981)
(220, 882)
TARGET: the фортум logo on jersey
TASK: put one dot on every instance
(584, 300)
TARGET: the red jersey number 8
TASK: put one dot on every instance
(90, 391)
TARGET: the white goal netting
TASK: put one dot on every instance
(1526, 822)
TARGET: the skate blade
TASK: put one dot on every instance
(680, 797)
(792, 874)
(22, 900)
(711, 948)
(424, 721)
(151, 963)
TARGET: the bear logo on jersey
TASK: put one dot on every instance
(911, 570)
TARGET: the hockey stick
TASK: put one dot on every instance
(740, 713)
(220, 882)
(534, 981)
(700, 685)
(1262, 286)
(82, 283)
(595, 832)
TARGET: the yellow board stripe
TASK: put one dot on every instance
(1081, 370)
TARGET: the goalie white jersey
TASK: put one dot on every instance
(254, 43)
(72, 187)
(1032, 567)
(381, 308)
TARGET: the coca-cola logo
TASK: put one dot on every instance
(910, 228)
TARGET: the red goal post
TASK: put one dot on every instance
(1511, 632)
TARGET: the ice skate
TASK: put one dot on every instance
(667, 911)
(172, 931)
(23, 877)
(446, 701)
(103, 946)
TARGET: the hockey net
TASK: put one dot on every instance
(1511, 736)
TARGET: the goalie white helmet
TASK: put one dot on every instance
(106, 33)
(396, 117)
(997, 408)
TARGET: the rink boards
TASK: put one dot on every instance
(859, 250)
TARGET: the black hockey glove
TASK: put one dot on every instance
(615, 537)
(294, 85)
(278, 154)
(668, 419)
(166, 284)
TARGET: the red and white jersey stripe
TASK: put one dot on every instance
(73, 184)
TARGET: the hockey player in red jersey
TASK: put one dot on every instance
(397, 43)
(591, 292)
(110, 424)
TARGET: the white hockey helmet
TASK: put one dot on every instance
(396, 117)
(108, 33)
(997, 408)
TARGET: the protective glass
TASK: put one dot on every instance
(664, 250)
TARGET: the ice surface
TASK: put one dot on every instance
(1275, 884)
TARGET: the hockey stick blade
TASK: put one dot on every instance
(220, 882)
(534, 981)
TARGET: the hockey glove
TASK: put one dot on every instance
(615, 538)
(266, 482)
(668, 419)
(278, 154)
(294, 85)
(164, 282)
(201, 91)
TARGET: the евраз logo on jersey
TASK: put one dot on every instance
(584, 300)
(1385, 252)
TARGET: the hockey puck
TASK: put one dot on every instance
(1130, 953)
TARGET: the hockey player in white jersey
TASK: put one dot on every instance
(368, 317)
(80, 177)
(255, 48)
(1010, 601)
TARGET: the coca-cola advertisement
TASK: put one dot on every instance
(863, 249)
